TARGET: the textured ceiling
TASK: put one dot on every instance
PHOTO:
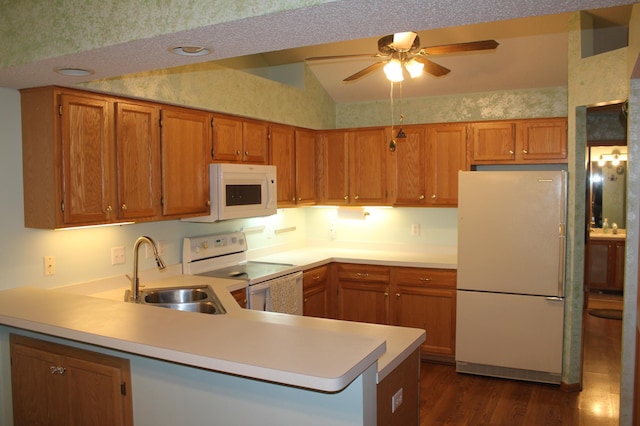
(541, 42)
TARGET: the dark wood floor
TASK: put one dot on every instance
(449, 398)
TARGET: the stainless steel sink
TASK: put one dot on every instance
(174, 295)
(193, 299)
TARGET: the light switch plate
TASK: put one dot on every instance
(396, 400)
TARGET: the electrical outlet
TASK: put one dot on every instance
(49, 265)
(117, 255)
(396, 400)
(415, 229)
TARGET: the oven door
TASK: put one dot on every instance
(286, 296)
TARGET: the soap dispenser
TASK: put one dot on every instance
(605, 226)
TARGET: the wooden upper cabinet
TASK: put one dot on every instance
(237, 140)
(446, 156)
(305, 156)
(410, 177)
(87, 159)
(282, 148)
(186, 144)
(543, 140)
(520, 141)
(255, 142)
(137, 160)
(68, 158)
(227, 138)
(494, 141)
(332, 168)
(368, 159)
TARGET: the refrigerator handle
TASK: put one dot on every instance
(562, 240)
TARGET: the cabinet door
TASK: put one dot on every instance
(282, 147)
(94, 393)
(87, 160)
(618, 282)
(305, 167)
(316, 294)
(333, 168)
(54, 384)
(363, 293)
(39, 396)
(137, 160)
(426, 298)
(255, 142)
(543, 140)
(241, 297)
(446, 156)
(227, 139)
(599, 272)
(368, 158)
(186, 143)
(493, 141)
(411, 167)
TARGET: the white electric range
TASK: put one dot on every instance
(270, 286)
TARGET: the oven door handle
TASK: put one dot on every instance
(259, 287)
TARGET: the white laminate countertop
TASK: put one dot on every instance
(314, 353)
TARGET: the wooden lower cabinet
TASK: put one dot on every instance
(315, 292)
(426, 298)
(241, 297)
(363, 293)
(605, 264)
(409, 297)
(54, 384)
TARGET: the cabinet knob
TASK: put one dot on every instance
(510, 152)
(246, 153)
(357, 197)
(317, 277)
(109, 209)
(300, 199)
(238, 152)
(425, 279)
(362, 275)
(421, 197)
(124, 207)
(386, 294)
(433, 197)
(397, 294)
(305, 300)
(524, 151)
(346, 197)
(57, 370)
(208, 203)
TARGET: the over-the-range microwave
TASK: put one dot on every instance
(240, 191)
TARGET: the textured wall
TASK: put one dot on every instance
(548, 102)
(221, 89)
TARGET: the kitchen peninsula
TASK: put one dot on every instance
(243, 367)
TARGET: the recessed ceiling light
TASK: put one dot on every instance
(74, 72)
(190, 50)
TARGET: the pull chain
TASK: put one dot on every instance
(392, 144)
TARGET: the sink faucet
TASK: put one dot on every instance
(135, 281)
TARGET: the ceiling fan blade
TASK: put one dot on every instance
(364, 71)
(431, 67)
(460, 47)
(363, 55)
(403, 41)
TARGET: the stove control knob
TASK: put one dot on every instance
(205, 245)
(196, 249)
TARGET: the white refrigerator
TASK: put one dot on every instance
(511, 266)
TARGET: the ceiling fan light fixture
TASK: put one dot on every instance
(393, 71)
(414, 68)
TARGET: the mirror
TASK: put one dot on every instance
(607, 172)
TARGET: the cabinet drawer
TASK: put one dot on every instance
(364, 273)
(315, 276)
(425, 277)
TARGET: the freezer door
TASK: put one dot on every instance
(511, 232)
(511, 331)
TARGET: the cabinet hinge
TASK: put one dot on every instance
(269, 135)
(62, 206)
(211, 121)
(123, 388)
(213, 153)
(60, 110)
(160, 122)
(162, 201)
